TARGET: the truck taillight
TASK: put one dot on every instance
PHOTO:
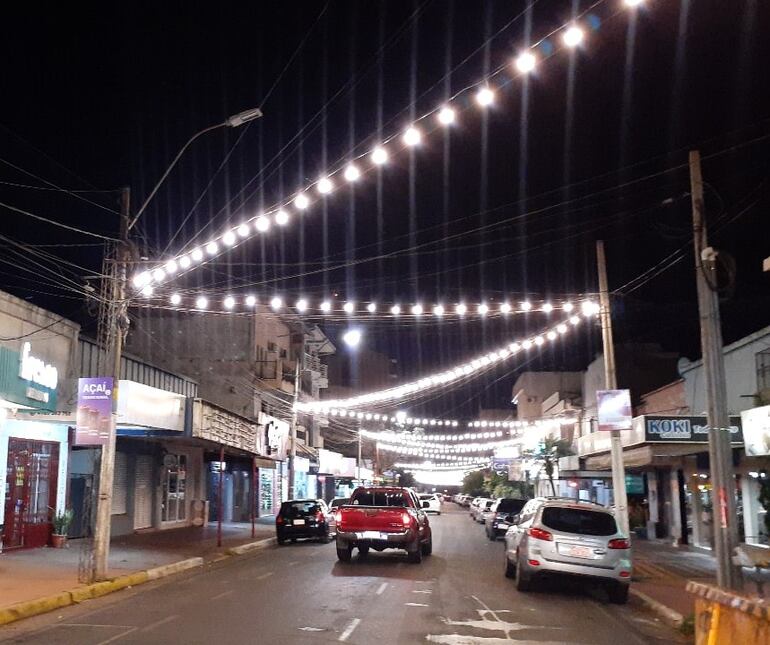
(406, 518)
(319, 516)
(338, 517)
(279, 519)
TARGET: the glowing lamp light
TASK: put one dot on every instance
(483, 309)
(282, 218)
(551, 335)
(171, 267)
(438, 310)
(505, 308)
(412, 136)
(276, 303)
(352, 337)
(147, 290)
(395, 310)
(379, 156)
(632, 3)
(326, 306)
(526, 344)
(352, 173)
(301, 305)
(301, 201)
(184, 261)
(589, 308)
(197, 255)
(349, 307)
(568, 306)
(461, 309)
(201, 303)
(175, 299)
(547, 308)
(229, 302)
(141, 279)
(417, 309)
(485, 96)
(325, 186)
(446, 116)
(229, 238)
(561, 328)
(526, 306)
(243, 230)
(573, 36)
(212, 248)
(371, 307)
(526, 62)
(575, 320)
(250, 301)
(262, 223)
(158, 275)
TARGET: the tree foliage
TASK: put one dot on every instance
(473, 483)
(547, 454)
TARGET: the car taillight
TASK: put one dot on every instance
(625, 574)
(279, 519)
(540, 534)
(406, 518)
(619, 543)
(338, 517)
(319, 516)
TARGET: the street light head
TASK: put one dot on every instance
(352, 338)
(239, 119)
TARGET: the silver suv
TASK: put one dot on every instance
(561, 536)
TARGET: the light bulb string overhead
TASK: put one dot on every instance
(352, 170)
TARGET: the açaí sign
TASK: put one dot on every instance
(94, 413)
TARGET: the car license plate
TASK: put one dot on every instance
(502, 525)
(299, 522)
(374, 535)
(580, 552)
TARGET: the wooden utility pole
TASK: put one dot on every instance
(611, 383)
(720, 451)
(117, 319)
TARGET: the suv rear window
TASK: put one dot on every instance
(579, 520)
(379, 498)
(298, 509)
(509, 505)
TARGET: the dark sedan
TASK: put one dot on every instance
(304, 518)
(502, 512)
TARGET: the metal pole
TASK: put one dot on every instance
(720, 451)
(292, 471)
(358, 461)
(611, 383)
(118, 321)
(253, 496)
(220, 504)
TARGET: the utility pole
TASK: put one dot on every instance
(118, 322)
(358, 461)
(611, 383)
(720, 450)
(293, 457)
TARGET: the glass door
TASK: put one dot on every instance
(174, 478)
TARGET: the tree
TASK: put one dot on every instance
(473, 483)
(548, 454)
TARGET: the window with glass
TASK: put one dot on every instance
(174, 505)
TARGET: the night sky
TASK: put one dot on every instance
(592, 146)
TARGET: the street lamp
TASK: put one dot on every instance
(234, 121)
(352, 338)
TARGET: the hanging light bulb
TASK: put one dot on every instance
(417, 309)
(349, 307)
(379, 156)
(243, 230)
(573, 36)
(412, 136)
(212, 248)
(276, 303)
(301, 305)
(175, 299)
(461, 309)
(158, 275)
(197, 255)
(301, 201)
(547, 308)
(325, 186)
(229, 302)
(483, 309)
(147, 290)
(438, 310)
(228, 238)
(141, 279)
(568, 306)
(395, 310)
(171, 267)
(250, 301)
(371, 307)
(282, 218)
(326, 306)
(262, 223)
(526, 305)
(352, 173)
(446, 116)
(201, 302)
(184, 261)
(485, 96)
(526, 62)
(505, 308)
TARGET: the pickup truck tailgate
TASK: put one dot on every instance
(372, 518)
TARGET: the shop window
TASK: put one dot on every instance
(763, 370)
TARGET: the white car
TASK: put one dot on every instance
(434, 503)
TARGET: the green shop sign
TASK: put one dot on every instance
(27, 380)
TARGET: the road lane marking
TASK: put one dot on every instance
(311, 629)
(160, 622)
(117, 636)
(416, 604)
(264, 575)
(422, 591)
(222, 595)
(382, 588)
(293, 562)
(349, 629)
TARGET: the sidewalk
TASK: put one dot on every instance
(662, 571)
(33, 573)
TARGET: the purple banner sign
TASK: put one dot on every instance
(94, 413)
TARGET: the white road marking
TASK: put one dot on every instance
(222, 595)
(264, 575)
(160, 622)
(311, 629)
(349, 629)
(293, 562)
(117, 636)
(382, 588)
(422, 591)
(416, 604)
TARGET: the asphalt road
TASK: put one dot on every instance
(300, 594)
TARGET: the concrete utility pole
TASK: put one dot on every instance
(611, 383)
(293, 457)
(720, 451)
(358, 461)
(117, 320)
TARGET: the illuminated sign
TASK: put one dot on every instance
(38, 372)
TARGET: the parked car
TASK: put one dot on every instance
(304, 518)
(337, 502)
(553, 536)
(383, 517)
(473, 509)
(434, 503)
(498, 520)
(484, 510)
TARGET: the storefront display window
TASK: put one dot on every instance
(266, 500)
(174, 480)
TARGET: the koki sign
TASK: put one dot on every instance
(36, 370)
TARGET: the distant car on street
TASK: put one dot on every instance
(473, 509)
(383, 517)
(557, 536)
(498, 520)
(338, 501)
(304, 518)
(434, 502)
(484, 510)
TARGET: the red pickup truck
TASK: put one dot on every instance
(383, 518)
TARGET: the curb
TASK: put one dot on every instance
(43, 605)
(668, 614)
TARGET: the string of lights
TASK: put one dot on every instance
(430, 466)
(571, 34)
(471, 368)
